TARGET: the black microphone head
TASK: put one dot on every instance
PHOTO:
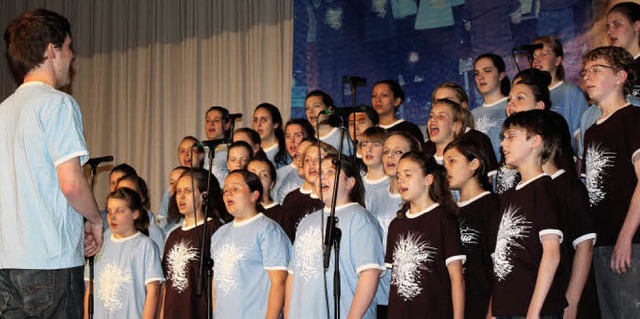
(354, 80)
(96, 161)
(235, 116)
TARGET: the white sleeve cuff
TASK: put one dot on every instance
(576, 133)
(276, 268)
(463, 258)
(158, 279)
(583, 238)
(370, 266)
(551, 231)
(70, 156)
(634, 156)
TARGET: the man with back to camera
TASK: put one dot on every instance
(43, 195)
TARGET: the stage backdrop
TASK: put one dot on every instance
(422, 43)
(147, 70)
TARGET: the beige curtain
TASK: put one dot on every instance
(147, 70)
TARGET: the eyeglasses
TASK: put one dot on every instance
(595, 69)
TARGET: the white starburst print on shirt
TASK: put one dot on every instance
(177, 259)
(506, 179)
(484, 124)
(226, 270)
(308, 255)
(410, 255)
(512, 228)
(597, 159)
(109, 286)
(468, 235)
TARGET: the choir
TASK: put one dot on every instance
(525, 206)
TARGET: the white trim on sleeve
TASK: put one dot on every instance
(70, 156)
(369, 266)
(551, 231)
(159, 279)
(285, 268)
(583, 238)
(634, 155)
(451, 259)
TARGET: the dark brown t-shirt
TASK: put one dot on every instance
(610, 175)
(529, 211)
(474, 219)
(419, 246)
(297, 205)
(181, 265)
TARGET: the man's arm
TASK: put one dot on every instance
(77, 191)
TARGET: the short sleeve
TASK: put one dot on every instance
(391, 239)
(275, 247)
(451, 239)
(152, 264)
(62, 126)
(580, 224)
(547, 211)
(366, 243)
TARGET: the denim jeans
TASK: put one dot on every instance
(33, 293)
(619, 295)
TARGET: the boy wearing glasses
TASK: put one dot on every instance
(611, 153)
(528, 234)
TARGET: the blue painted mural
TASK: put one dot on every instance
(421, 43)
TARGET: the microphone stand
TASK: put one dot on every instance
(90, 303)
(206, 263)
(529, 58)
(334, 234)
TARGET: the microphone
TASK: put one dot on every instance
(354, 80)
(338, 115)
(343, 111)
(235, 116)
(93, 162)
(528, 47)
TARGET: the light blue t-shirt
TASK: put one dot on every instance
(219, 168)
(242, 254)
(384, 207)
(489, 119)
(333, 139)
(40, 128)
(156, 234)
(122, 269)
(163, 211)
(588, 118)
(360, 249)
(288, 180)
(382, 204)
(570, 102)
(271, 152)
